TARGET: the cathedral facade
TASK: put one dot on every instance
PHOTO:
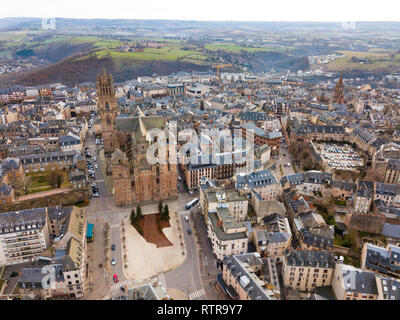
(135, 179)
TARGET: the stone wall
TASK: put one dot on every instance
(65, 198)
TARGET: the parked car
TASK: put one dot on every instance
(189, 232)
(13, 274)
(115, 277)
(113, 262)
(113, 247)
(186, 218)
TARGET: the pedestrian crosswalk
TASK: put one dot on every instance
(197, 295)
(115, 225)
(121, 283)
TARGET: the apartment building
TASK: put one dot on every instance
(6, 193)
(304, 270)
(343, 190)
(226, 166)
(317, 132)
(227, 236)
(57, 218)
(253, 117)
(388, 193)
(69, 261)
(70, 142)
(11, 169)
(362, 138)
(312, 232)
(248, 277)
(385, 261)
(308, 183)
(388, 288)
(259, 137)
(392, 173)
(236, 202)
(350, 283)
(362, 201)
(274, 238)
(31, 282)
(263, 182)
(47, 161)
(24, 235)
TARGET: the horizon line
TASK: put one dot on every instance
(201, 20)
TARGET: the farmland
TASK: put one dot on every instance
(366, 61)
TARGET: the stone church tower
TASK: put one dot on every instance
(108, 109)
(338, 96)
(122, 178)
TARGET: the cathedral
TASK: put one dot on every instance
(125, 140)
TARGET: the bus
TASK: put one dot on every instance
(90, 232)
(192, 203)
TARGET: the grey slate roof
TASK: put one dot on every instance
(310, 258)
(391, 230)
(358, 280)
(238, 266)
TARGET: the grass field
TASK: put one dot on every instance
(165, 53)
(232, 47)
(39, 182)
(374, 61)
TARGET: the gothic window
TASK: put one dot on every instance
(108, 120)
(107, 106)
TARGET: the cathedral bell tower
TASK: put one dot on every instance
(108, 109)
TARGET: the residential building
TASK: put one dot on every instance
(263, 182)
(350, 283)
(304, 270)
(388, 288)
(227, 236)
(385, 261)
(24, 235)
(248, 277)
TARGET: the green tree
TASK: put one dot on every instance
(166, 211)
(139, 213)
(55, 178)
(59, 179)
(133, 216)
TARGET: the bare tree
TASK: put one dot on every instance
(24, 184)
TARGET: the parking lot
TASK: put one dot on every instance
(341, 157)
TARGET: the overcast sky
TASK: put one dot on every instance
(259, 10)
